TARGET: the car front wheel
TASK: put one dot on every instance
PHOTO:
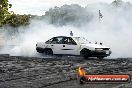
(84, 53)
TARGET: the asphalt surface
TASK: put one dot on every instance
(58, 72)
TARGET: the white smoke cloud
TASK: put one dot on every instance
(38, 31)
(38, 7)
(114, 30)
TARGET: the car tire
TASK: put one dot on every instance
(84, 53)
(100, 58)
(48, 52)
(39, 50)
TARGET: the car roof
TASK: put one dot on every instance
(61, 36)
(67, 36)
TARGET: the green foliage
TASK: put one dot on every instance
(4, 14)
(18, 20)
(68, 14)
(10, 18)
(117, 2)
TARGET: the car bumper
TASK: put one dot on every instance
(103, 53)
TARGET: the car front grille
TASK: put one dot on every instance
(100, 49)
(105, 48)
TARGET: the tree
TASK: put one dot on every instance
(117, 2)
(68, 15)
(18, 20)
(4, 13)
(11, 19)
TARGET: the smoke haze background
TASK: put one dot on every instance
(39, 6)
(114, 30)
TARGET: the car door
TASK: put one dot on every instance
(69, 46)
(56, 45)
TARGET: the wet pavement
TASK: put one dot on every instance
(57, 72)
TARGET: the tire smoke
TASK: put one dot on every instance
(114, 30)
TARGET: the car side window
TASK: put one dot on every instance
(65, 40)
(49, 41)
(71, 41)
(55, 41)
(61, 40)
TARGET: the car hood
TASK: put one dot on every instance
(95, 45)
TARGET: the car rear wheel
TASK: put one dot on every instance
(39, 50)
(85, 53)
(100, 58)
(48, 52)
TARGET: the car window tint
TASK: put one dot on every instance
(68, 40)
(71, 41)
(61, 40)
(49, 41)
(65, 41)
(55, 40)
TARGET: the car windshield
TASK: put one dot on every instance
(81, 40)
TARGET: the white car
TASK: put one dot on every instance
(73, 46)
